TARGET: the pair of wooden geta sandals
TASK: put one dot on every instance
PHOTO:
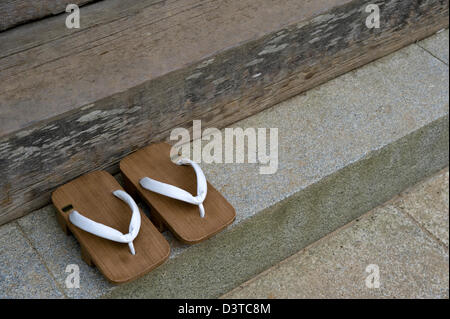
(116, 236)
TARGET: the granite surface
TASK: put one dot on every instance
(410, 263)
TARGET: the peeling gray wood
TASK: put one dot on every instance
(122, 45)
(15, 12)
(219, 90)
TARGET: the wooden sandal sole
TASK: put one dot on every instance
(181, 218)
(92, 195)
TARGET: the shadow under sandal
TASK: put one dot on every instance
(168, 187)
(113, 233)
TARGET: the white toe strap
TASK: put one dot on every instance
(107, 232)
(178, 193)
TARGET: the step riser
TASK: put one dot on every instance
(38, 159)
(289, 226)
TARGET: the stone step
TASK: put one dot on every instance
(76, 100)
(345, 147)
(403, 244)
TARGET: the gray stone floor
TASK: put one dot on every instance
(407, 239)
(22, 271)
(436, 45)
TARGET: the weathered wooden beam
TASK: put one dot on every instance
(82, 100)
(16, 12)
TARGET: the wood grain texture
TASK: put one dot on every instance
(92, 196)
(15, 12)
(181, 218)
(120, 48)
(102, 93)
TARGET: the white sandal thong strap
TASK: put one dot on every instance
(107, 232)
(178, 193)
